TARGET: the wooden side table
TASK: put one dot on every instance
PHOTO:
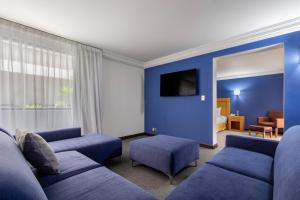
(236, 123)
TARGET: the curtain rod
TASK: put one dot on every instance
(29, 27)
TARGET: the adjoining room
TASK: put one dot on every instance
(250, 93)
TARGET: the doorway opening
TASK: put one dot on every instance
(248, 93)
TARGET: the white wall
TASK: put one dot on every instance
(123, 98)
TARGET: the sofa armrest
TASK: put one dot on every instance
(61, 134)
(258, 145)
(262, 119)
(279, 123)
(7, 133)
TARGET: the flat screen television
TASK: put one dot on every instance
(182, 83)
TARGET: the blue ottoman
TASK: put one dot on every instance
(164, 153)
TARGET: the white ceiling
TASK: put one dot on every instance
(260, 62)
(148, 29)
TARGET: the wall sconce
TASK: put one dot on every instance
(237, 92)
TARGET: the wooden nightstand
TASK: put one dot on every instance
(236, 123)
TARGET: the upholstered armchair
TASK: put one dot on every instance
(273, 119)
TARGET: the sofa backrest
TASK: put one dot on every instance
(273, 115)
(6, 132)
(17, 181)
(287, 166)
(61, 134)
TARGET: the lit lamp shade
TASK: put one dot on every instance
(237, 92)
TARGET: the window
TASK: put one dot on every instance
(36, 87)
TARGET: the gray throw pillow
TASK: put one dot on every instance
(33, 169)
(20, 136)
(38, 152)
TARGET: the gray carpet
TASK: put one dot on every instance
(154, 181)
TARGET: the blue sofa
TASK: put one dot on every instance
(98, 147)
(80, 177)
(248, 168)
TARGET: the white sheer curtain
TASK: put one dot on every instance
(87, 93)
(42, 75)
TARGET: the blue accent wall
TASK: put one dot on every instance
(179, 116)
(259, 95)
(191, 118)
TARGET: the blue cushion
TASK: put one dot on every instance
(214, 183)
(95, 184)
(287, 166)
(168, 154)
(98, 147)
(71, 163)
(61, 134)
(252, 164)
(258, 145)
(17, 182)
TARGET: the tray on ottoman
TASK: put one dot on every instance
(164, 153)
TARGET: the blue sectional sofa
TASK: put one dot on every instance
(80, 177)
(248, 168)
(98, 147)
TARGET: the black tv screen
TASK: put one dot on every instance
(182, 83)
